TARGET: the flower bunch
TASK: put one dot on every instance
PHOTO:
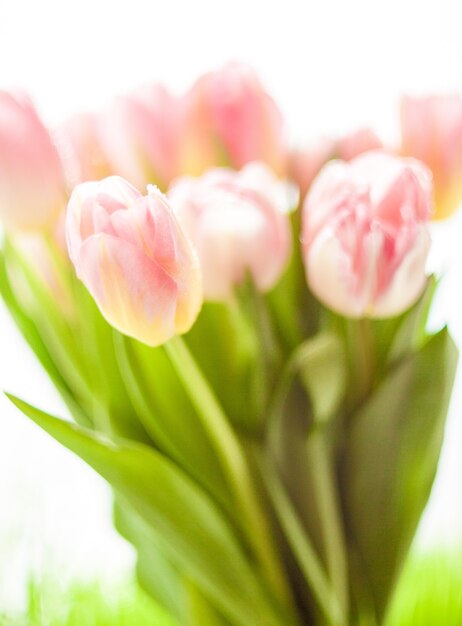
(248, 366)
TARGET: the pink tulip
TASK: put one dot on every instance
(357, 142)
(431, 130)
(132, 255)
(237, 223)
(229, 119)
(32, 186)
(47, 261)
(139, 135)
(81, 149)
(305, 164)
(365, 234)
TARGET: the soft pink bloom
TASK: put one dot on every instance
(238, 224)
(351, 145)
(229, 119)
(81, 149)
(139, 135)
(133, 257)
(365, 234)
(431, 130)
(47, 262)
(32, 186)
(305, 164)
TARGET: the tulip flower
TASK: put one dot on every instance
(133, 257)
(365, 234)
(237, 222)
(47, 262)
(32, 185)
(353, 144)
(305, 164)
(138, 134)
(81, 150)
(431, 130)
(228, 119)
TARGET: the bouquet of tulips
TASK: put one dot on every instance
(239, 332)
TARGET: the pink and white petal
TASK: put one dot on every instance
(408, 281)
(329, 275)
(133, 293)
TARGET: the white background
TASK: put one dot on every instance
(332, 65)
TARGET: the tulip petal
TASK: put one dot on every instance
(133, 292)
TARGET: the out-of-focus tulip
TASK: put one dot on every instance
(238, 225)
(139, 136)
(133, 257)
(305, 164)
(47, 261)
(228, 119)
(348, 147)
(32, 186)
(81, 150)
(365, 234)
(431, 130)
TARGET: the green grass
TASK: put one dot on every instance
(430, 594)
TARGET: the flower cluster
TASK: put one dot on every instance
(244, 323)
(364, 238)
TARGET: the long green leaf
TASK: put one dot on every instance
(391, 458)
(155, 571)
(199, 539)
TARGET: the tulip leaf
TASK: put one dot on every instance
(157, 574)
(322, 365)
(390, 461)
(198, 538)
(34, 339)
(76, 345)
(167, 413)
(295, 310)
(199, 612)
(155, 571)
(305, 406)
(222, 329)
(397, 336)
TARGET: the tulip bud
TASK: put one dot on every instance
(304, 164)
(139, 136)
(431, 130)
(133, 257)
(81, 149)
(47, 262)
(229, 119)
(32, 186)
(237, 223)
(357, 142)
(365, 234)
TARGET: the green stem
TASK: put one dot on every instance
(304, 552)
(233, 461)
(328, 509)
(363, 360)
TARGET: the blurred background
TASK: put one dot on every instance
(332, 66)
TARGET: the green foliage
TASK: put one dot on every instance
(197, 535)
(390, 460)
(429, 594)
(270, 467)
